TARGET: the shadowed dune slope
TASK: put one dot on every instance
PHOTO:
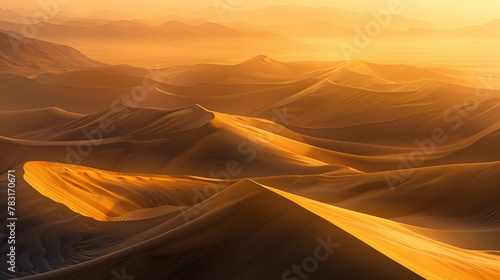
(17, 123)
(427, 257)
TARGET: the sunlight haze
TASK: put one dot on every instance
(458, 13)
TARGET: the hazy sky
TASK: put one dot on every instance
(439, 12)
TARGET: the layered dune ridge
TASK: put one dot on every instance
(241, 170)
(404, 244)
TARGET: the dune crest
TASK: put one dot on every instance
(429, 258)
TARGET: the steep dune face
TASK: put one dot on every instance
(426, 257)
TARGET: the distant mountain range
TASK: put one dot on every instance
(19, 52)
(135, 31)
(287, 20)
(490, 29)
(270, 16)
(286, 32)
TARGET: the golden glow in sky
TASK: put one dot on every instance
(445, 13)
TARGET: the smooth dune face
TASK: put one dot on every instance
(424, 256)
(281, 142)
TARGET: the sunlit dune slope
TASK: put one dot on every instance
(152, 242)
(427, 257)
(106, 196)
(189, 140)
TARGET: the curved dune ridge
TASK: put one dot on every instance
(104, 195)
(108, 196)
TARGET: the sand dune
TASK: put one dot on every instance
(426, 257)
(177, 142)
(457, 187)
(442, 259)
(361, 109)
(276, 217)
(104, 197)
(247, 140)
(235, 170)
(16, 123)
